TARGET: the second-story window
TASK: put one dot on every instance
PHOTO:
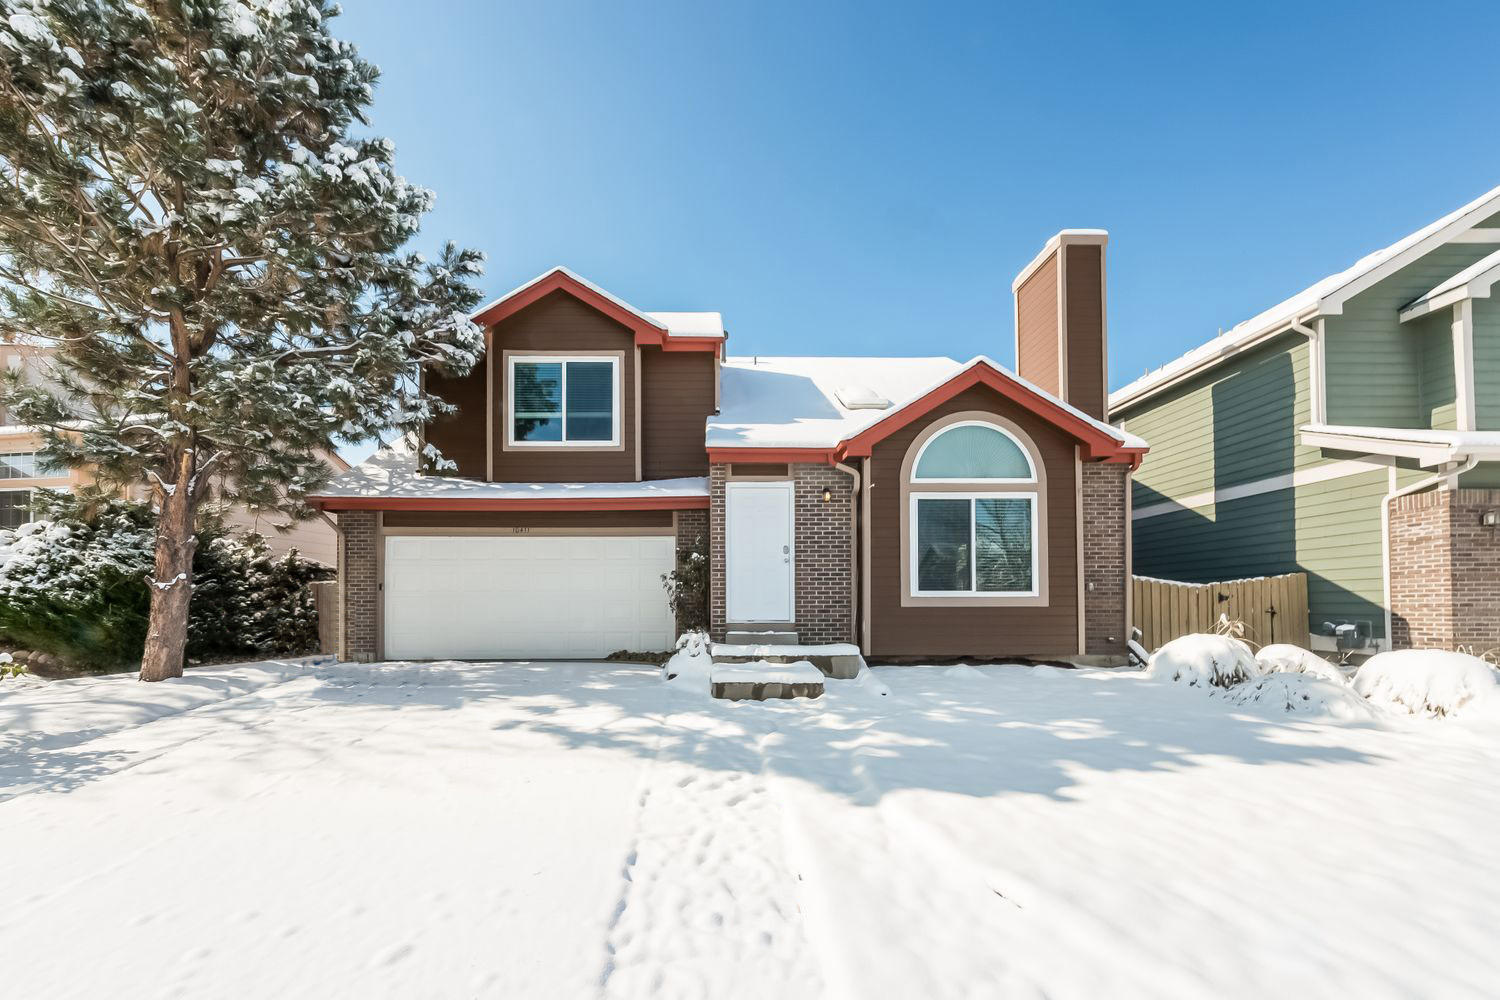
(562, 401)
(20, 465)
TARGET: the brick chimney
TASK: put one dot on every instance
(1060, 324)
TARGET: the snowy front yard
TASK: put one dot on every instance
(585, 830)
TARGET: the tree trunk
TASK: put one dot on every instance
(172, 581)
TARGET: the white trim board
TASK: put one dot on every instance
(1273, 484)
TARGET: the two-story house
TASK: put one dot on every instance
(914, 506)
(1351, 432)
(23, 471)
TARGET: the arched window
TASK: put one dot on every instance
(972, 518)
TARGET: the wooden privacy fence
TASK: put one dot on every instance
(326, 600)
(1273, 608)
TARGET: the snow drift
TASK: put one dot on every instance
(1431, 682)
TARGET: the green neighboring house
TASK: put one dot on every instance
(1351, 432)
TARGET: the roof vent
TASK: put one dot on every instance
(861, 397)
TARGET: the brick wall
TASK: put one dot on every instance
(1104, 570)
(824, 551)
(692, 526)
(1445, 570)
(358, 585)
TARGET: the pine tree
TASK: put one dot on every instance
(193, 212)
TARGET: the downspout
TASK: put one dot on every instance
(1317, 401)
(1385, 525)
(853, 549)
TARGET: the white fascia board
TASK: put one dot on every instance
(1463, 221)
(1476, 283)
(1426, 453)
(1478, 235)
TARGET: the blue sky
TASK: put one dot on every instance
(841, 178)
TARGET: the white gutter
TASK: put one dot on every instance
(1385, 525)
(1318, 393)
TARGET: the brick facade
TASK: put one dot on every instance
(359, 585)
(692, 529)
(824, 549)
(1104, 571)
(1445, 570)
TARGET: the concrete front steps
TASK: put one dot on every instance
(767, 667)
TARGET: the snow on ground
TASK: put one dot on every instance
(585, 830)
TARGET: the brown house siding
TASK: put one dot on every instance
(562, 324)
(677, 398)
(975, 631)
(460, 436)
(1085, 334)
(1036, 327)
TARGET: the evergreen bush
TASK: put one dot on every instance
(73, 583)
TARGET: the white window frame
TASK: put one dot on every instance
(30, 495)
(1026, 454)
(36, 465)
(616, 417)
(913, 560)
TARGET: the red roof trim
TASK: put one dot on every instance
(509, 503)
(648, 332)
(1097, 443)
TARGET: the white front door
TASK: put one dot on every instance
(759, 564)
(480, 597)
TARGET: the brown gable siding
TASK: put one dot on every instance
(460, 436)
(677, 398)
(563, 324)
(977, 631)
(1085, 309)
(1036, 327)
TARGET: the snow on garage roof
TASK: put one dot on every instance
(391, 474)
(691, 324)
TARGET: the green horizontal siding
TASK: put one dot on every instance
(1331, 531)
(1484, 476)
(1487, 364)
(1438, 385)
(1234, 425)
(1372, 356)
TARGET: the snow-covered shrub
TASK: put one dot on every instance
(1285, 658)
(687, 586)
(1204, 660)
(73, 585)
(1430, 682)
(692, 662)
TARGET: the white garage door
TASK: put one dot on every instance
(494, 597)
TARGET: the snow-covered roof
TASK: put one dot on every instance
(673, 324)
(391, 473)
(794, 402)
(1323, 297)
(1473, 282)
(691, 324)
(1430, 447)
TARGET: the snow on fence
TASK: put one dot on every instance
(1273, 608)
(326, 600)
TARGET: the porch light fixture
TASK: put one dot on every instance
(1489, 518)
(828, 497)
